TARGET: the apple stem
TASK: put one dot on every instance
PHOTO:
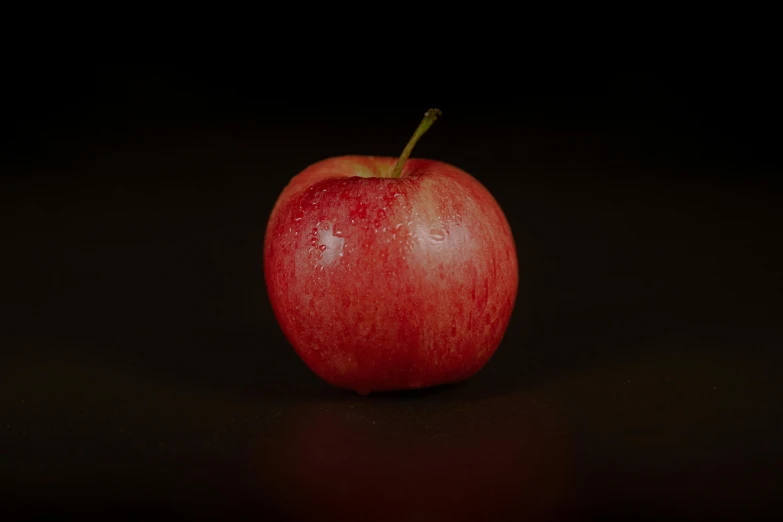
(429, 118)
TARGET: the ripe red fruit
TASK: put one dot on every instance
(390, 274)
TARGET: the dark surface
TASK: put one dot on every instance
(143, 372)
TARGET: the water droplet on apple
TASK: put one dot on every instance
(437, 234)
(326, 226)
(315, 231)
(322, 248)
(398, 226)
(337, 232)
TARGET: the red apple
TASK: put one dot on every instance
(390, 274)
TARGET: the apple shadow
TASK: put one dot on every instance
(440, 390)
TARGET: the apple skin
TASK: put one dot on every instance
(384, 283)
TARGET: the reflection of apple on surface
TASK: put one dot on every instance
(390, 274)
(486, 460)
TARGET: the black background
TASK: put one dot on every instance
(143, 371)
